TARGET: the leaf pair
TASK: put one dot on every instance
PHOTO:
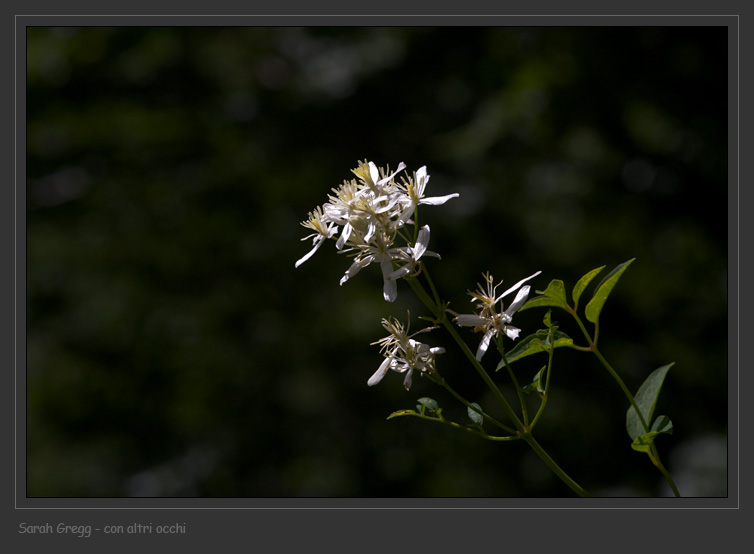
(425, 406)
(430, 406)
(536, 384)
(555, 293)
(646, 400)
(538, 342)
(541, 341)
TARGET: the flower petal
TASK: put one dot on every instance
(401, 167)
(470, 320)
(421, 242)
(318, 241)
(516, 286)
(380, 373)
(407, 380)
(518, 301)
(421, 174)
(437, 200)
(390, 290)
(398, 273)
(390, 287)
(374, 173)
(356, 267)
(484, 344)
(512, 332)
(344, 234)
(386, 203)
(371, 230)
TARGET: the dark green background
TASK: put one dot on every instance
(173, 349)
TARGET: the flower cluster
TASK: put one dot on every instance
(370, 212)
(404, 354)
(488, 320)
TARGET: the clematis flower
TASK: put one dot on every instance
(489, 321)
(403, 354)
(383, 256)
(414, 190)
(407, 255)
(410, 254)
(368, 173)
(370, 211)
(322, 230)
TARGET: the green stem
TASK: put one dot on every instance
(477, 432)
(545, 457)
(438, 310)
(653, 454)
(623, 386)
(524, 410)
(486, 378)
(443, 383)
(655, 457)
(613, 373)
(441, 316)
(547, 382)
(436, 296)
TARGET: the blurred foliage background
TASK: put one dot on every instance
(173, 349)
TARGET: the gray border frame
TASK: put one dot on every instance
(233, 515)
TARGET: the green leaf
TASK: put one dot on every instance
(603, 290)
(556, 290)
(579, 287)
(644, 442)
(561, 339)
(427, 403)
(525, 347)
(553, 295)
(400, 413)
(538, 342)
(476, 417)
(662, 425)
(548, 320)
(536, 384)
(539, 301)
(646, 399)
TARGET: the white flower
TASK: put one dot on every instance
(368, 173)
(403, 354)
(382, 255)
(415, 193)
(407, 255)
(358, 208)
(322, 230)
(370, 211)
(410, 255)
(489, 320)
